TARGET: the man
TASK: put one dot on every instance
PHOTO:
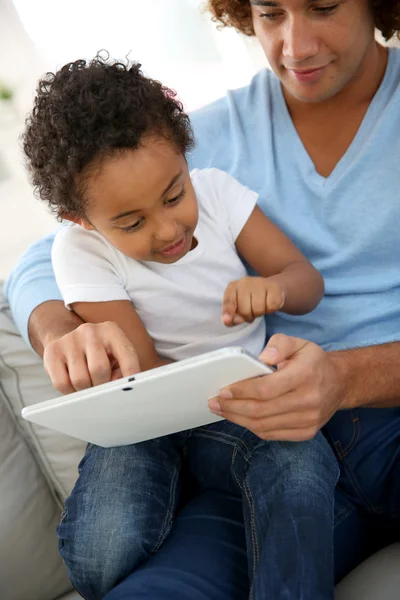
(318, 140)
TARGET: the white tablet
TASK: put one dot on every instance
(150, 404)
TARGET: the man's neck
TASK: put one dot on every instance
(359, 92)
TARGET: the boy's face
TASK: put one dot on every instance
(144, 203)
(315, 47)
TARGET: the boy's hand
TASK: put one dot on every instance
(249, 298)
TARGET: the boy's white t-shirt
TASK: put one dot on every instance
(180, 304)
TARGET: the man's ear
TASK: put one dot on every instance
(82, 222)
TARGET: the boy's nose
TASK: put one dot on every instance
(166, 231)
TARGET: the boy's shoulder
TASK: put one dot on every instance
(72, 233)
(213, 187)
(72, 238)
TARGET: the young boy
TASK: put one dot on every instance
(158, 250)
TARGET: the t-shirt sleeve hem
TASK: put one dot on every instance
(95, 293)
(243, 210)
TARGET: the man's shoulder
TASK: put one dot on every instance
(219, 125)
(238, 100)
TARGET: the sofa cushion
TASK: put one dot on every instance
(377, 578)
(30, 565)
(24, 382)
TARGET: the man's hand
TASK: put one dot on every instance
(249, 298)
(292, 403)
(90, 355)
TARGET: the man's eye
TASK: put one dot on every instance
(270, 16)
(326, 10)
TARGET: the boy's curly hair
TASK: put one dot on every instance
(87, 111)
(237, 14)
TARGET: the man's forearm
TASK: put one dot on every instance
(50, 321)
(371, 375)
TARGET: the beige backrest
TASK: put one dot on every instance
(38, 468)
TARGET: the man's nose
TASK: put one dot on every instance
(299, 40)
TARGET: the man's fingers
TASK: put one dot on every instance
(79, 372)
(116, 374)
(264, 388)
(289, 435)
(280, 348)
(59, 376)
(119, 347)
(98, 363)
(256, 409)
(229, 305)
(276, 428)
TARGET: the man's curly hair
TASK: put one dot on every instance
(237, 14)
(88, 111)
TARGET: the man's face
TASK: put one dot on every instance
(315, 47)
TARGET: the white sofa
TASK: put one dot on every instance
(38, 468)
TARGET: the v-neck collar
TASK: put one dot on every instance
(355, 146)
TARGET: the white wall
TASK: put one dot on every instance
(172, 38)
(22, 218)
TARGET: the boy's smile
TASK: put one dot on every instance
(143, 201)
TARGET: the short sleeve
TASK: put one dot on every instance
(86, 267)
(233, 201)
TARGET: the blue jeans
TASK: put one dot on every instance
(367, 499)
(124, 503)
(204, 556)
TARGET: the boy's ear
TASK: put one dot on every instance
(82, 222)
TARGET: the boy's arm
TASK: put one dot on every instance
(273, 256)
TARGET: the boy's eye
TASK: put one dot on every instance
(134, 226)
(176, 199)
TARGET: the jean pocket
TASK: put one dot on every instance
(344, 430)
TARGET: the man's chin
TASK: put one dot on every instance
(308, 94)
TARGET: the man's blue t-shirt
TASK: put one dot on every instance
(347, 224)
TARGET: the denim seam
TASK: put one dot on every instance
(166, 526)
(250, 500)
(353, 479)
(229, 441)
(356, 436)
(344, 513)
(245, 490)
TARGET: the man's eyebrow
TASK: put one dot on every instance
(272, 4)
(264, 3)
(167, 189)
